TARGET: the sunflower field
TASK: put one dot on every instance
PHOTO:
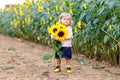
(96, 25)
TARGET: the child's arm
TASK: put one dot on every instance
(70, 33)
(52, 37)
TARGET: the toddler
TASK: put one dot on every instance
(65, 19)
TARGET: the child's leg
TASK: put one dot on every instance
(68, 62)
(58, 61)
(58, 65)
(68, 65)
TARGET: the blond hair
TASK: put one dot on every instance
(64, 14)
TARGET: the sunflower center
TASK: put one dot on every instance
(61, 27)
(60, 34)
(55, 30)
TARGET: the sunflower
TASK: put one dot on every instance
(49, 30)
(59, 31)
(60, 26)
(53, 29)
(61, 35)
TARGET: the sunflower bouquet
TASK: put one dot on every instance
(59, 32)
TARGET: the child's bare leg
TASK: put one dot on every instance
(58, 68)
(68, 62)
(68, 65)
(58, 62)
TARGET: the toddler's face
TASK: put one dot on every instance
(65, 21)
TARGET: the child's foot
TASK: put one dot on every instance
(57, 69)
(69, 70)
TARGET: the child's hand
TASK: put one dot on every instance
(53, 38)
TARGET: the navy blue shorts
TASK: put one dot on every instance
(66, 53)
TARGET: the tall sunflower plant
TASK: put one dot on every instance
(59, 32)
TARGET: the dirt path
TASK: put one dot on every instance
(22, 60)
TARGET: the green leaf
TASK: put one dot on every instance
(108, 74)
(47, 56)
(100, 11)
(38, 78)
(82, 61)
(95, 21)
(77, 59)
(11, 49)
(111, 4)
(67, 3)
(114, 19)
(59, 53)
(106, 14)
(8, 67)
(82, 15)
(107, 22)
(95, 67)
(92, 7)
(106, 38)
